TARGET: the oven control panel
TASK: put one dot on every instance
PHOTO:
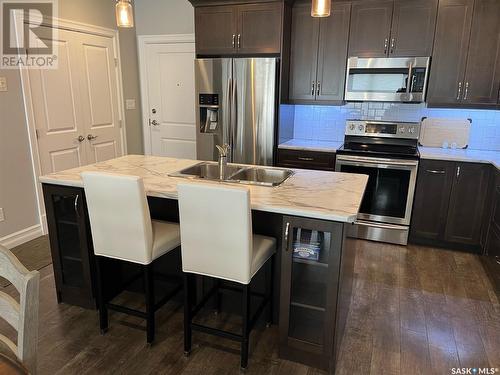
(385, 129)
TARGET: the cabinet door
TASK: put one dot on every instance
(304, 53)
(432, 195)
(70, 244)
(370, 28)
(413, 26)
(482, 79)
(309, 281)
(215, 30)
(467, 203)
(259, 28)
(332, 54)
(446, 83)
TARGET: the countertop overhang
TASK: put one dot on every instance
(314, 194)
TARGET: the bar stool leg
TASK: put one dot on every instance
(187, 315)
(246, 323)
(103, 310)
(150, 302)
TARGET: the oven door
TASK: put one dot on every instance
(391, 186)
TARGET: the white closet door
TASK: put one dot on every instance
(101, 112)
(57, 109)
(171, 96)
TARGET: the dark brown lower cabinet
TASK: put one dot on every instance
(71, 244)
(450, 203)
(316, 279)
(301, 159)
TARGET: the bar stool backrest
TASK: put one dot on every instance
(216, 231)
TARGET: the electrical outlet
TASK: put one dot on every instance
(2, 217)
(130, 104)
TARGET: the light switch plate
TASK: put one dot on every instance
(3, 83)
(130, 103)
(2, 217)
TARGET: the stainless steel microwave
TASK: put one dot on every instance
(387, 79)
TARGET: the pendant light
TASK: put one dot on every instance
(124, 13)
(321, 8)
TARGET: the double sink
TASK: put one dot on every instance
(236, 173)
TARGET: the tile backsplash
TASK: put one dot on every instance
(327, 123)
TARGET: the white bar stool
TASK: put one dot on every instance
(217, 241)
(122, 229)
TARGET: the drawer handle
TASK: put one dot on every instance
(435, 171)
(76, 206)
(305, 159)
(286, 236)
(497, 259)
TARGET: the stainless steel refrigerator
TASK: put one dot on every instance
(237, 104)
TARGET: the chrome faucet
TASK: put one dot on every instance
(223, 153)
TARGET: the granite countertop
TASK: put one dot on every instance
(314, 194)
(311, 145)
(467, 155)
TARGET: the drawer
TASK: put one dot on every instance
(306, 159)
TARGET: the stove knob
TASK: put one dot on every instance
(361, 128)
(402, 130)
(412, 130)
(352, 127)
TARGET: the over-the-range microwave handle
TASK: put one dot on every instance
(376, 161)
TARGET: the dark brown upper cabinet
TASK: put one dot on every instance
(449, 207)
(413, 26)
(318, 54)
(381, 28)
(238, 29)
(465, 69)
(482, 75)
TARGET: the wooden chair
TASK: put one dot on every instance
(23, 316)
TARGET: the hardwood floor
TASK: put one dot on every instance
(415, 310)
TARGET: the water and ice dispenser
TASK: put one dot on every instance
(209, 113)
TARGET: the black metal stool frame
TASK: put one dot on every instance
(248, 322)
(148, 276)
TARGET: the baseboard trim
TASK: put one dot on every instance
(22, 236)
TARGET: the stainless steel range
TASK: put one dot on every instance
(387, 152)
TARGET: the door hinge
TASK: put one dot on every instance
(120, 122)
(37, 135)
(116, 61)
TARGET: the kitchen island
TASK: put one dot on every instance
(311, 210)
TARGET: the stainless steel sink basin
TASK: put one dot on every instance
(236, 173)
(262, 176)
(207, 170)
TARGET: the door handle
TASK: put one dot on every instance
(76, 205)
(91, 137)
(234, 40)
(435, 171)
(305, 159)
(466, 90)
(312, 88)
(286, 235)
(458, 172)
(393, 41)
(154, 123)
(80, 138)
(318, 88)
(386, 43)
(239, 41)
(459, 90)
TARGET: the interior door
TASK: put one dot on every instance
(413, 26)
(171, 99)
(370, 28)
(101, 112)
(57, 108)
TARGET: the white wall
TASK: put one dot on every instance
(161, 17)
(17, 189)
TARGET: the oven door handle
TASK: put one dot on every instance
(378, 225)
(377, 161)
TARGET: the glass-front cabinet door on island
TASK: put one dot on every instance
(309, 280)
